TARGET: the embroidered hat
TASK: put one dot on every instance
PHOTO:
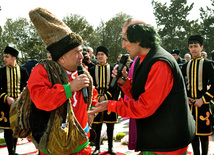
(58, 37)
(195, 39)
(102, 49)
(12, 51)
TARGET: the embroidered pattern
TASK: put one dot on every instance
(2, 117)
(206, 118)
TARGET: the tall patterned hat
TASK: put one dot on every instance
(57, 36)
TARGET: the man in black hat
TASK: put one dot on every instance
(101, 74)
(198, 72)
(13, 78)
(176, 54)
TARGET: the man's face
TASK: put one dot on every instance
(175, 56)
(187, 58)
(132, 48)
(72, 59)
(204, 55)
(49, 57)
(9, 60)
(195, 50)
(101, 57)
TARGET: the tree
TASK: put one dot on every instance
(111, 35)
(208, 28)
(173, 26)
(22, 35)
(80, 26)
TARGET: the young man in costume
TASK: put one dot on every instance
(157, 95)
(13, 78)
(200, 73)
(101, 74)
(65, 48)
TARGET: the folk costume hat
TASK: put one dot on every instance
(12, 51)
(195, 38)
(102, 49)
(58, 37)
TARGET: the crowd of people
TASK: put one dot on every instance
(166, 97)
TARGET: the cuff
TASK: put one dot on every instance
(67, 91)
(112, 106)
(207, 97)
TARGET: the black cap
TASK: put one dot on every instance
(195, 39)
(102, 49)
(12, 51)
(176, 51)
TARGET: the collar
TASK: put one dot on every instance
(142, 57)
(71, 74)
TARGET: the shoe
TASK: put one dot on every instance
(96, 152)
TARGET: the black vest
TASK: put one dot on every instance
(172, 126)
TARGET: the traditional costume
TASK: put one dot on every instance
(158, 103)
(12, 82)
(47, 96)
(101, 74)
(199, 73)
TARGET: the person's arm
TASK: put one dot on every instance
(209, 94)
(158, 86)
(43, 94)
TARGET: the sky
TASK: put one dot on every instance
(94, 11)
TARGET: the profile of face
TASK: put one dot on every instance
(72, 59)
(9, 60)
(175, 56)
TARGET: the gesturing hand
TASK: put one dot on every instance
(101, 106)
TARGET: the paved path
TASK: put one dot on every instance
(121, 126)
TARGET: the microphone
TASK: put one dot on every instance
(84, 90)
(122, 63)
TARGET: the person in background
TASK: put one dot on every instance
(29, 64)
(118, 59)
(65, 47)
(101, 74)
(199, 72)
(13, 78)
(204, 54)
(154, 68)
(92, 56)
(87, 59)
(49, 57)
(176, 54)
(187, 57)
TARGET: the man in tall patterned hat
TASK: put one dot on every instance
(65, 47)
(13, 78)
(101, 74)
(198, 72)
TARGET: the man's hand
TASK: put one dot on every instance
(198, 102)
(90, 118)
(10, 100)
(190, 101)
(124, 74)
(79, 82)
(102, 98)
(101, 106)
